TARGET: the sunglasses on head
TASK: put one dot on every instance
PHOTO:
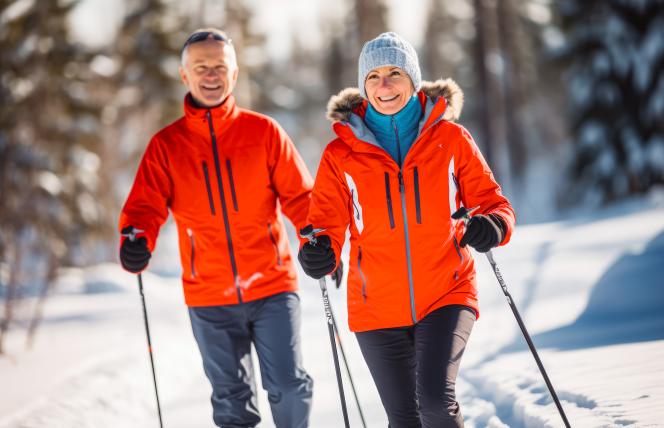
(204, 35)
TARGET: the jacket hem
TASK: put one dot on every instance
(463, 299)
(193, 301)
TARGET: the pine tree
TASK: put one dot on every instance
(145, 88)
(250, 48)
(49, 146)
(366, 19)
(370, 19)
(615, 53)
(443, 50)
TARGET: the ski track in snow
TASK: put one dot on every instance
(589, 289)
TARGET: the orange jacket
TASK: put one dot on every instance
(405, 260)
(223, 172)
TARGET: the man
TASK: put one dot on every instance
(223, 171)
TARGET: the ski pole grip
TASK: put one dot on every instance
(130, 232)
(464, 214)
(309, 233)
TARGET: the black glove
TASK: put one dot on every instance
(338, 274)
(317, 260)
(134, 255)
(483, 232)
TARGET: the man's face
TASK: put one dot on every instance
(209, 71)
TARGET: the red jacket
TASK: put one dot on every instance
(405, 260)
(224, 172)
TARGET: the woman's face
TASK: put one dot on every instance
(388, 89)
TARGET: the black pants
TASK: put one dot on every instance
(415, 368)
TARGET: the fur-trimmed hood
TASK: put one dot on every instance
(340, 106)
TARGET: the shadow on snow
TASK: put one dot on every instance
(625, 306)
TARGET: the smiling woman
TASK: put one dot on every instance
(209, 67)
(397, 170)
(388, 89)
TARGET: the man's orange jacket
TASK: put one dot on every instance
(224, 173)
(405, 258)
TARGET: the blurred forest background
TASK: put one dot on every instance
(565, 99)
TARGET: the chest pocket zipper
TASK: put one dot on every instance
(192, 267)
(208, 187)
(388, 195)
(232, 183)
(364, 280)
(418, 209)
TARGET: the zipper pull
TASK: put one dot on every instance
(402, 188)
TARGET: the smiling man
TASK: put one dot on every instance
(209, 67)
(226, 174)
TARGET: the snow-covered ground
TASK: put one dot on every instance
(590, 290)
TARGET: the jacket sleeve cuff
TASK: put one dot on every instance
(502, 225)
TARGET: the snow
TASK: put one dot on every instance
(590, 289)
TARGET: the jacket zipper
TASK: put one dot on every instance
(192, 267)
(402, 191)
(461, 258)
(409, 261)
(224, 210)
(231, 182)
(388, 194)
(359, 268)
(274, 242)
(208, 187)
(418, 209)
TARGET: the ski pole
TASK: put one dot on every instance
(350, 378)
(132, 237)
(465, 214)
(147, 332)
(309, 233)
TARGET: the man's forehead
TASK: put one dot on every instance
(210, 49)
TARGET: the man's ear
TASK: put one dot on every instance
(235, 74)
(183, 76)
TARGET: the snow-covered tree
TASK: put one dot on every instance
(615, 51)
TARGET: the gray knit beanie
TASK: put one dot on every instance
(388, 49)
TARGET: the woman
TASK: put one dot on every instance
(397, 171)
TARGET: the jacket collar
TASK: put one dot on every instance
(440, 100)
(349, 100)
(222, 115)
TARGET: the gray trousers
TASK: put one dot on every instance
(225, 334)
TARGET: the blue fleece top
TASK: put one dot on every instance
(396, 132)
